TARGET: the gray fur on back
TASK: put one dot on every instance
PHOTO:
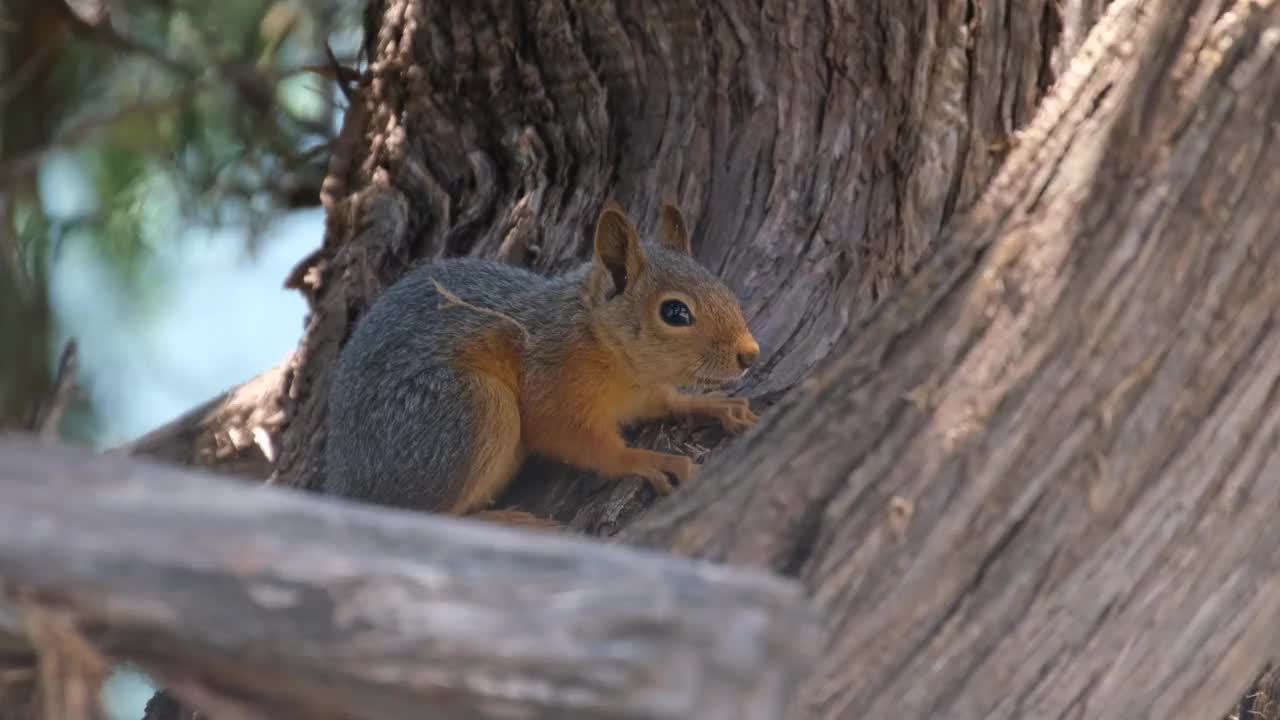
(399, 427)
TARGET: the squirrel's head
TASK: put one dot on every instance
(670, 317)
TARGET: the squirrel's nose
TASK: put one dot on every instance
(747, 353)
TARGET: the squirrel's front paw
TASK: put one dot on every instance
(661, 469)
(734, 413)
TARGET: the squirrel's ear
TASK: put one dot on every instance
(672, 231)
(618, 248)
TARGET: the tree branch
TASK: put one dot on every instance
(235, 433)
(48, 417)
(303, 606)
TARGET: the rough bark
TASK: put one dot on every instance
(1262, 700)
(1040, 481)
(385, 612)
(1034, 481)
(818, 147)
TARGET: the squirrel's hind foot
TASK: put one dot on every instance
(517, 518)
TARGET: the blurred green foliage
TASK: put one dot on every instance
(164, 114)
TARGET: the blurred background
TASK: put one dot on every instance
(160, 167)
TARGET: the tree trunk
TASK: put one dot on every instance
(1041, 479)
(1030, 480)
(818, 149)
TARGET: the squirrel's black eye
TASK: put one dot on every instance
(675, 312)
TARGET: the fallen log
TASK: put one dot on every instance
(307, 606)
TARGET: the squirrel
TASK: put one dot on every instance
(465, 365)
